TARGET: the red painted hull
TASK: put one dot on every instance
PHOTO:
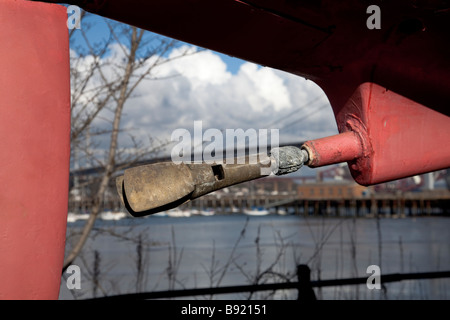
(325, 41)
(391, 87)
(35, 148)
(329, 42)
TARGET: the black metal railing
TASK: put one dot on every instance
(304, 286)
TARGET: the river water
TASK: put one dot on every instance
(161, 253)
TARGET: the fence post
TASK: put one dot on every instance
(305, 290)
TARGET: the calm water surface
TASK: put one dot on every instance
(197, 252)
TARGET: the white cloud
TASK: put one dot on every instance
(202, 69)
(202, 89)
(267, 88)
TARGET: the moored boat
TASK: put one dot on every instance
(109, 215)
(207, 212)
(256, 211)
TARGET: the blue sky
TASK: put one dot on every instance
(98, 32)
(221, 91)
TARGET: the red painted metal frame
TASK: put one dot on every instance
(403, 114)
(326, 41)
(35, 148)
(335, 149)
(400, 137)
(394, 125)
(384, 136)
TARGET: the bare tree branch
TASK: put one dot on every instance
(107, 85)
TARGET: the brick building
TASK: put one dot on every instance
(332, 190)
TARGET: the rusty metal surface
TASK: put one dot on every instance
(157, 184)
(233, 172)
(288, 159)
(151, 188)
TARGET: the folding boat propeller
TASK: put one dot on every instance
(161, 186)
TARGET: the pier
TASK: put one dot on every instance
(302, 197)
(409, 204)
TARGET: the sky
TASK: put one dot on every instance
(222, 92)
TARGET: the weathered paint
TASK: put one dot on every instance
(403, 133)
(384, 136)
(402, 138)
(329, 43)
(35, 148)
(342, 147)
